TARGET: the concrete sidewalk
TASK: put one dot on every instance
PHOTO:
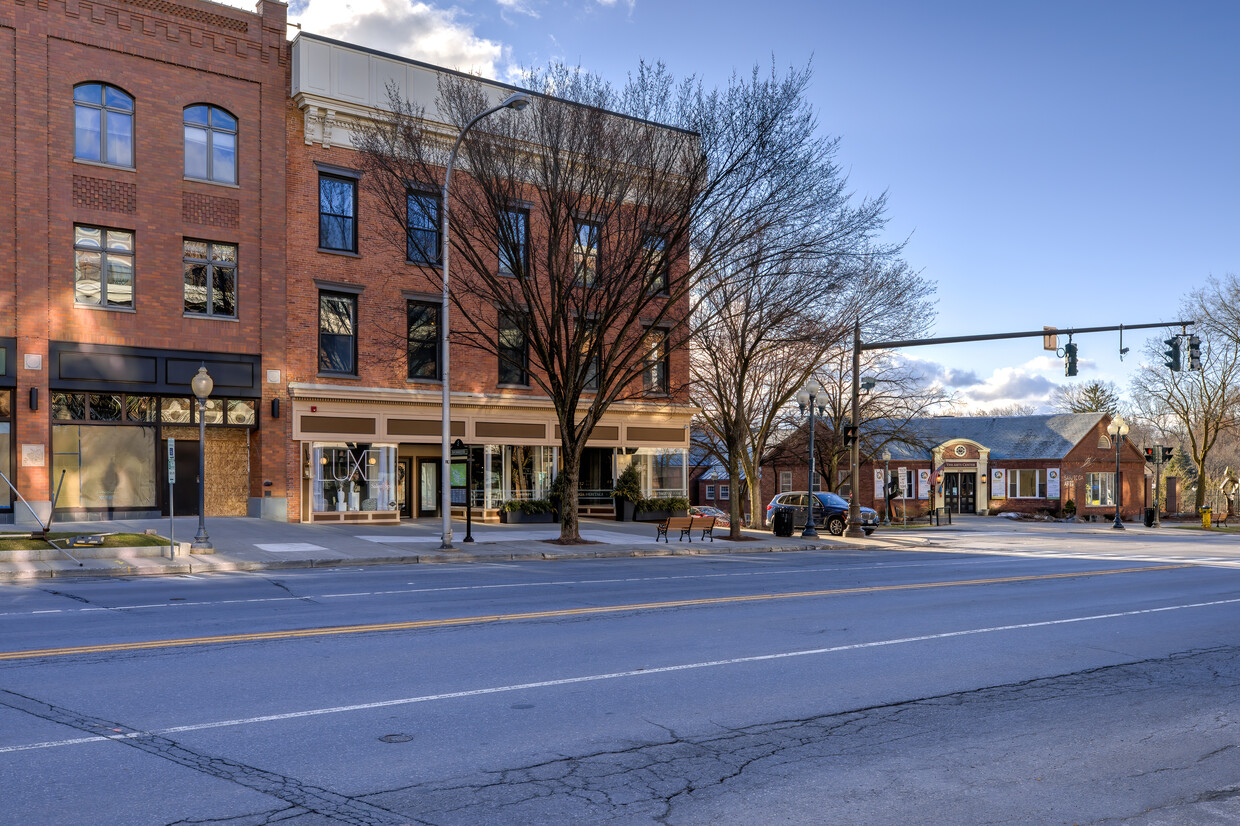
(243, 544)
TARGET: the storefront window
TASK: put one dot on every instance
(661, 469)
(69, 406)
(105, 407)
(104, 467)
(6, 457)
(140, 408)
(213, 412)
(353, 477)
(176, 411)
(240, 412)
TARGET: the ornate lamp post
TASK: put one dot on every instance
(807, 400)
(202, 385)
(516, 101)
(1117, 430)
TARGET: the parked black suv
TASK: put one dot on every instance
(830, 511)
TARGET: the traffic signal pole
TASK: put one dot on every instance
(854, 506)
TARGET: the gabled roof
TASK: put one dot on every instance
(1048, 436)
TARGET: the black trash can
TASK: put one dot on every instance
(1149, 517)
(781, 523)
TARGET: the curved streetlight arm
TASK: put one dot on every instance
(516, 101)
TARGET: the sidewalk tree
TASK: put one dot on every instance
(608, 225)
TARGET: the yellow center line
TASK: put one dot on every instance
(564, 612)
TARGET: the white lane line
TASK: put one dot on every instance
(615, 675)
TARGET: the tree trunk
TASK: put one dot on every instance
(570, 526)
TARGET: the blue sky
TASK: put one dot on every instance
(1049, 162)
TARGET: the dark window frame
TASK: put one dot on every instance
(211, 129)
(436, 228)
(104, 109)
(353, 319)
(352, 218)
(212, 265)
(523, 214)
(104, 254)
(437, 362)
(581, 254)
(508, 322)
(662, 385)
(658, 270)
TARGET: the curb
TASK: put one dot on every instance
(219, 563)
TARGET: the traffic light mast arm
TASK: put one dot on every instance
(919, 342)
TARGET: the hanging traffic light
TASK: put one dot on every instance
(1194, 353)
(1069, 350)
(1171, 357)
(850, 436)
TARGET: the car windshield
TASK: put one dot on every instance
(830, 500)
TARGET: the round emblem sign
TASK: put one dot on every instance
(960, 450)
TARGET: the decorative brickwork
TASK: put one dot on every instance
(209, 210)
(197, 15)
(109, 196)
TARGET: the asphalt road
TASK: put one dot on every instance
(849, 687)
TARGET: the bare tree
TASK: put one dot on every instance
(1195, 407)
(586, 230)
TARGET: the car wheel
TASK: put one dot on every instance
(869, 531)
(835, 525)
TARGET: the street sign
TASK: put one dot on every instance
(459, 450)
(172, 461)
(1050, 340)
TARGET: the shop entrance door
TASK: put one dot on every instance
(185, 488)
(404, 488)
(428, 487)
(960, 492)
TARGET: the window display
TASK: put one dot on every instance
(353, 477)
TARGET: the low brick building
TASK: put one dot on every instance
(990, 465)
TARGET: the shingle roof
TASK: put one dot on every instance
(1048, 436)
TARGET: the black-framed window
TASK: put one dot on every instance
(6, 443)
(103, 271)
(337, 213)
(423, 228)
(513, 242)
(210, 144)
(586, 336)
(337, 332)
(585, 252)
(102, 124)
(655, 253)
(514, 350)
(423, 340)
(655, 371)
(210, 278)
(127, 408)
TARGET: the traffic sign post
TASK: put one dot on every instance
(460, 451)
(172, 478)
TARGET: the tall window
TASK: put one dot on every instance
(103, 267)
(785, 480)
(710, 492)
(210, 279)
(656, 262)
(725, 492)
(102, 124)
(654, 374)
(423, 340)
(587, 333)
(513, 350)
(337, 213)
(585, 252)
(1026, 484)
(1101, 488)
(513, 242)
(337, 333)
(210, 144)
(424, 228)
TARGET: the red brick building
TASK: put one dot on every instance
(1028, 464)
(143, 215)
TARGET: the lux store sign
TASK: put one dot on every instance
(364, 463)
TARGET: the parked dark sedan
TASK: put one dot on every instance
(830, 511)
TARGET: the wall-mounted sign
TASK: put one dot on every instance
(998, 483)
(1052, 483)
(880, 484)
(33, 456)
(923, 483)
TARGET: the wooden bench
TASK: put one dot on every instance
(686, 525)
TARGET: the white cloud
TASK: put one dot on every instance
(518, 6)
(415, 30)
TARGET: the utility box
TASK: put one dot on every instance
(1173, 494)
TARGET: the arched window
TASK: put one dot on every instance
(102, 124)
(210, 144)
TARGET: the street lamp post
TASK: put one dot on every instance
(807, 399)
(1117, 430)
(886, 492)
(202, 384)
(516, 101)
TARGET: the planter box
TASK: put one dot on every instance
(519, 518)
(624, 510)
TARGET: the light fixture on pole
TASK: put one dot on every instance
(1117, 430)
(202, 384)
(516, 101)
(886, 493)
(807, 400)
